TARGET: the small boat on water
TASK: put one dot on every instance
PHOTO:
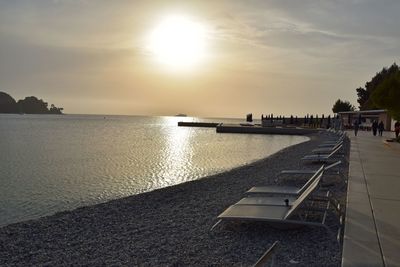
(180, 115)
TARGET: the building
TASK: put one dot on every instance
(366, 117)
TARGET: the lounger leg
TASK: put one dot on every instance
(215, 225)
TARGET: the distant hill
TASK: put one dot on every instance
(29, 105)
(7, 104)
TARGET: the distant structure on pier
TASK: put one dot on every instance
(249, 117)
(348, 118)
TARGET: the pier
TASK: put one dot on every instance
(234, 128)
(250, 129)
(198, 124)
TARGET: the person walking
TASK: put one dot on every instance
(374, 127)
(381, 127)
(356, 126)
(397, 128)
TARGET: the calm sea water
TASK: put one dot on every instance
(50, 163)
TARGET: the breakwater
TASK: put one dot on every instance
(198, 124)
(250, 129)
(231, 128)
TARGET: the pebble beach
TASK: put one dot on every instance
(171, 226)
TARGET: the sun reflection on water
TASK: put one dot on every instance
(94, 160)
(176, 153)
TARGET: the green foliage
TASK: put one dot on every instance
(387, 95)
(340, 106)
(364, 94)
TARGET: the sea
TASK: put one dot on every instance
(52, 163)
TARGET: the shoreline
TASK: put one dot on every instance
(171, 226)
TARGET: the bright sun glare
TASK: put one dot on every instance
(178, 42)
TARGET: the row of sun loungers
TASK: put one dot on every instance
(289, 206)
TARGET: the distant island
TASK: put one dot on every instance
(29, 105)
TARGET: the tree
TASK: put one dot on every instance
(387, 95)
(29, 105)
(364, 94)
(363, 97)
(341, 106)
(55, 110)
(32, 105)
(7, 103)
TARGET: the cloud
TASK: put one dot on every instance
(261, 49)
(21, 58)
(340, 33)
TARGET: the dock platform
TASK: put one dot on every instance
(234, 128)
(249, 128)
(198, 124)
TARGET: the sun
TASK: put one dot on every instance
(178, 42)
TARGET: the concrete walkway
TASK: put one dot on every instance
(372, 229)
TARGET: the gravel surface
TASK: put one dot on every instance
(171, 226)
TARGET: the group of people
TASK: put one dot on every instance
(375, 128)
(378, 128)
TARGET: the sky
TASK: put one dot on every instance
(272, 56)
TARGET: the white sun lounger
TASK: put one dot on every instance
(322, 157)
(327, 149)
(283, 215)
(307, 171)
(334, 139)
(272, 201)
(330, 144)
(286, 190)
(328, 171)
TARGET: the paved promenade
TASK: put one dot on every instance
(372, 229)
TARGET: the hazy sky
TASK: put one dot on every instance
(278, 56)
